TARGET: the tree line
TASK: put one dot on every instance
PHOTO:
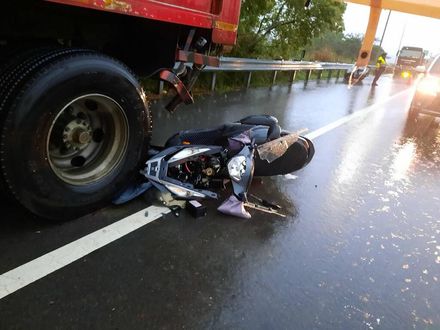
(283, 29)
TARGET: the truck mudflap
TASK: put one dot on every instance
(183, 77)
(182, 91)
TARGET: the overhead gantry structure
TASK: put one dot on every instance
(429, 8)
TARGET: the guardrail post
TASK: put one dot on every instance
(292, 77)
(213, 81)
(318, 78)
(329, 75)
(160, 87)
(248, 79)
(306, 79)
(274, 78)
(337, 75)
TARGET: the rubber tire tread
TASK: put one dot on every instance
(18, 70)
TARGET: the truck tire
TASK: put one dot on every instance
(15, 67)
(75, 127)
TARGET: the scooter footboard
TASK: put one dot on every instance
(296, 157)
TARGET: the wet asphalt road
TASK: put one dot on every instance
(360, 247)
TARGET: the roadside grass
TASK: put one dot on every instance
(230, 81)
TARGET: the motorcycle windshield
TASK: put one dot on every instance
(274, 149)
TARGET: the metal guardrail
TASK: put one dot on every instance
(247, 64)
(235, 64)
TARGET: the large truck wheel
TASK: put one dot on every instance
(16, 66)
(74, 131)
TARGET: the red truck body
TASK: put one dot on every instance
(83, 57)
(220, 16)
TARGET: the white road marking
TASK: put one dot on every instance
(346, 119)
(38, 268)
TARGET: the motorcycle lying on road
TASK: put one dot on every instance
(193, 163)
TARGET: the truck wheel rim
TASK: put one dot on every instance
(88, 139)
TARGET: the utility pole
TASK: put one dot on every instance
(385, 29)
(401, 38)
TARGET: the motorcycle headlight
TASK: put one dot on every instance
(237, 168)
(429, 86)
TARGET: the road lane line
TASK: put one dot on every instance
(360, 113)
(36, 269)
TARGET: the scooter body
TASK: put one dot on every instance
(193, 162)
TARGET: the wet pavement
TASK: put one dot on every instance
(360, 247)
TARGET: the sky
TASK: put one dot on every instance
(417, 31)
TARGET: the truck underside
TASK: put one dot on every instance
(74, 120)
(142, 44)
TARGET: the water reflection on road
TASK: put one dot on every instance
(362, 248)
(359, 249)
(366, 247)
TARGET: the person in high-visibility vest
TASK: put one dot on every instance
(380, 68)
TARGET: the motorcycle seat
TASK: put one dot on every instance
(219, 135)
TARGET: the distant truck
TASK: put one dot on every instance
(75, 123)
(408, 58)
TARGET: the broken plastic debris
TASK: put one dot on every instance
(273, 150)
(235, 207)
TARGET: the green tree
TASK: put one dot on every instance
(337, 47)
(278, 28)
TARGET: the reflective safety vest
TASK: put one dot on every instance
(380, 61)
